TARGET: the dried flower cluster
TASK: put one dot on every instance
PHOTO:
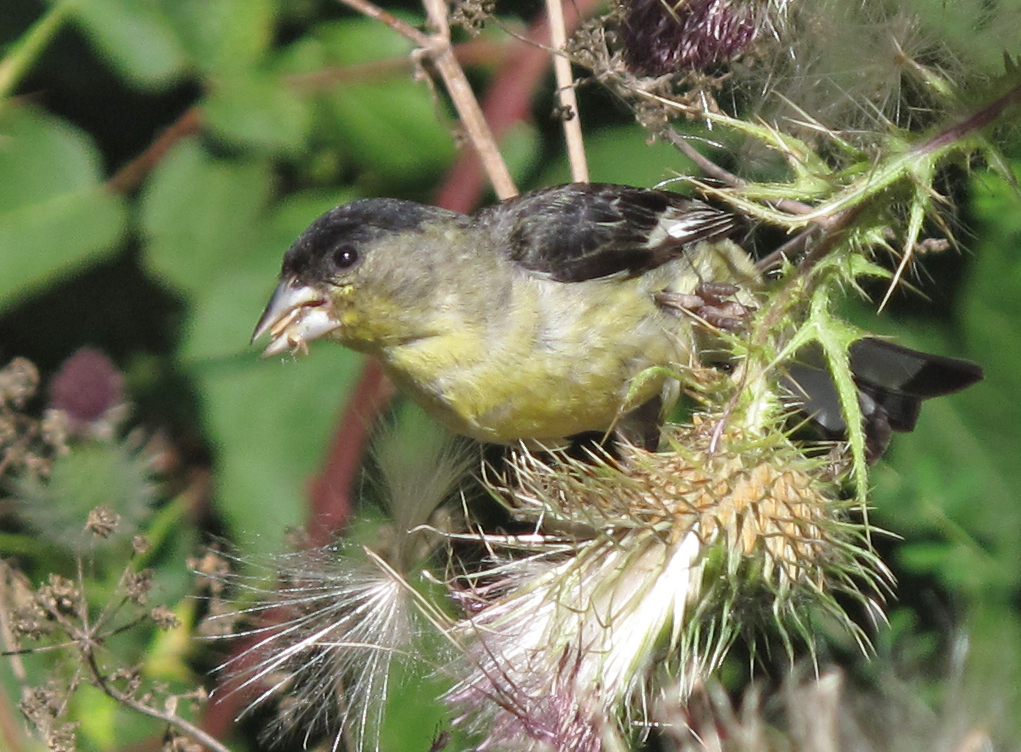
(57, 617)
(78, 485)
(26, 443)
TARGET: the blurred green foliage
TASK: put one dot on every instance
(280, 109)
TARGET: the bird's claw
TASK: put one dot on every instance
(713, 302)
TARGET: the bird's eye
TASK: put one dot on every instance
(345, 257)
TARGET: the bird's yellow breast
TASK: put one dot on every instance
(558, 360)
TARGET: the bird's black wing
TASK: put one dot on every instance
(580, 231)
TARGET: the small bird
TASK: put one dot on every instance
(531, 319)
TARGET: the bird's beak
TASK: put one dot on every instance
(295, 315)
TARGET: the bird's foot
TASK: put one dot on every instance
(713, 302)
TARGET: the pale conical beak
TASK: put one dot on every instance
(295, 315)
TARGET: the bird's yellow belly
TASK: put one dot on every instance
(566, 368)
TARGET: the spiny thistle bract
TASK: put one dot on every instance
(323, 646)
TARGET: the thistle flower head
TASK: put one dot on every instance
(89, 391)
(864, 69)
(642, 574)
(664, 37)
(323, 644)
(118, 477)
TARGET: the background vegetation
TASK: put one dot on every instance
(158, 156)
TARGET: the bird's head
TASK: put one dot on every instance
(356, 274)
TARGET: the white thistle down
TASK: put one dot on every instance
(325, 640)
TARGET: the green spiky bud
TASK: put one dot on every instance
(92, 475)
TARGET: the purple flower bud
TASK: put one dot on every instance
(87, 386)
(661, 37)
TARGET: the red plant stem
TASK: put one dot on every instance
(975, 122)
(228, 700)
(330, 492)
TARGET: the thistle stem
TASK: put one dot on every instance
(975, 122)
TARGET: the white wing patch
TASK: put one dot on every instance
(693, 222)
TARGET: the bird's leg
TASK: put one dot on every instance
(713, 302)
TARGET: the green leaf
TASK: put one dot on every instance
(19, 57)
(200, 215)
(990, 685)
(136, 38)
(42, 156)
(358, 40)
(258, 110)
(55, 214)
(56, 237)
(391, 126)
(415, 714)
(107, 724)
(223, 35)
(391, 129)
(621, 155)
(269, 422)
(978, 32)
(521, 146)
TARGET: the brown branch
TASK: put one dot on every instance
(464, 100)
(475, 52)
(438, 47)
(406, 30)
(566, 94)
(171, 719)
(507, 101)
(131, 175)
(701, 161)
(984, 117)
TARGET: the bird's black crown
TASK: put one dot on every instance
(338, 239)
